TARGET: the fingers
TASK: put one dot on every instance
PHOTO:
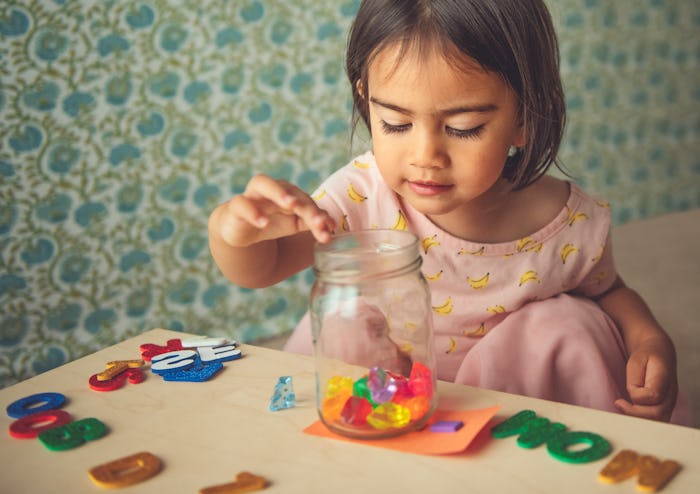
(277, 207)
(651, 389)
(291, 200)
(648, 380)
(660, 412)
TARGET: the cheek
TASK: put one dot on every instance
(385, 151)
(483, 167)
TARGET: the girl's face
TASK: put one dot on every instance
(441, 134)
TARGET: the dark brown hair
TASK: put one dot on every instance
(512, 38)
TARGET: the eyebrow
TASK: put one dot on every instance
(485, 108)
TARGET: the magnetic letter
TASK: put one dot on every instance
(538, 431)
(652, 475)
(219, 354)
(72, 435)
(203, 341)
(166, 362)
(40, 402)
(30, 426)
(117, 367)
(149, 350)
(126, 471)
(135, 376)
(623, 466)
(513, 425)
(245, 482)
(558, 447)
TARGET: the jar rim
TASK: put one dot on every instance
(353, 254)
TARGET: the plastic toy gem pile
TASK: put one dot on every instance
(379, 400)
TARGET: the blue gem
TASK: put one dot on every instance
(283, 396)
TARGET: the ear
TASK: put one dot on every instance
(360, 88)
(519, 137)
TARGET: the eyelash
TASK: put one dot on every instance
(461, 134)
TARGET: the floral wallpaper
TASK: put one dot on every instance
(123, 123)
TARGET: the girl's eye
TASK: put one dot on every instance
(388, 128)
(466, 133)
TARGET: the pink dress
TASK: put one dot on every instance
(514, 316)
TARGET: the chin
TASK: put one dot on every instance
(430, 206)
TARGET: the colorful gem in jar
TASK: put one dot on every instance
(417, 405)
(382, 387)
(421, 380)
(389, 415)
(356, 410)
(332, 407)
(337, 384)
(361, 389)
(403, 392)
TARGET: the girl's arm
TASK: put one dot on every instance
(267, 233)
(652, 382)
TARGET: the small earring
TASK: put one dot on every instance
(512, 151)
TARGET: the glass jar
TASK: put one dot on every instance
(371, 321)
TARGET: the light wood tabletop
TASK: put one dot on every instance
(206, 433)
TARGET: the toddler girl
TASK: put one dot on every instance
(466, 112)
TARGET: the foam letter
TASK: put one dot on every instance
(30, 426)
(166, 362)
(72, 435)
(219, 354)
(126, 471)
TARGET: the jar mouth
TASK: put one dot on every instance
(366, 253)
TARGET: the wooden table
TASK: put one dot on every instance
(205, 433)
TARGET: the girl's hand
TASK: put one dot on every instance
(269, 209)
(651, 382)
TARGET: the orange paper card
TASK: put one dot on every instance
(425, 442)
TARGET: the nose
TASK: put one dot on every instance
(428, 150)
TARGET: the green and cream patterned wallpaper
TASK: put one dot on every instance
(124, 122)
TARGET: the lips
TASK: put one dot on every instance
(428, 188)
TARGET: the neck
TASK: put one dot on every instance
(485, 219)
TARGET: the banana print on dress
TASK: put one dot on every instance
(478, 332)
(344, 227)
(428, 242)
(477, 252)
(354, 195)
(566, 251)
(433, 277)
(497, 309)
(400, 223)
(445, 308)
(524, 243)
(479, 283)
(527, 244)
(529, 276)
(575, 216)
(363, 165)
(599, 256)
